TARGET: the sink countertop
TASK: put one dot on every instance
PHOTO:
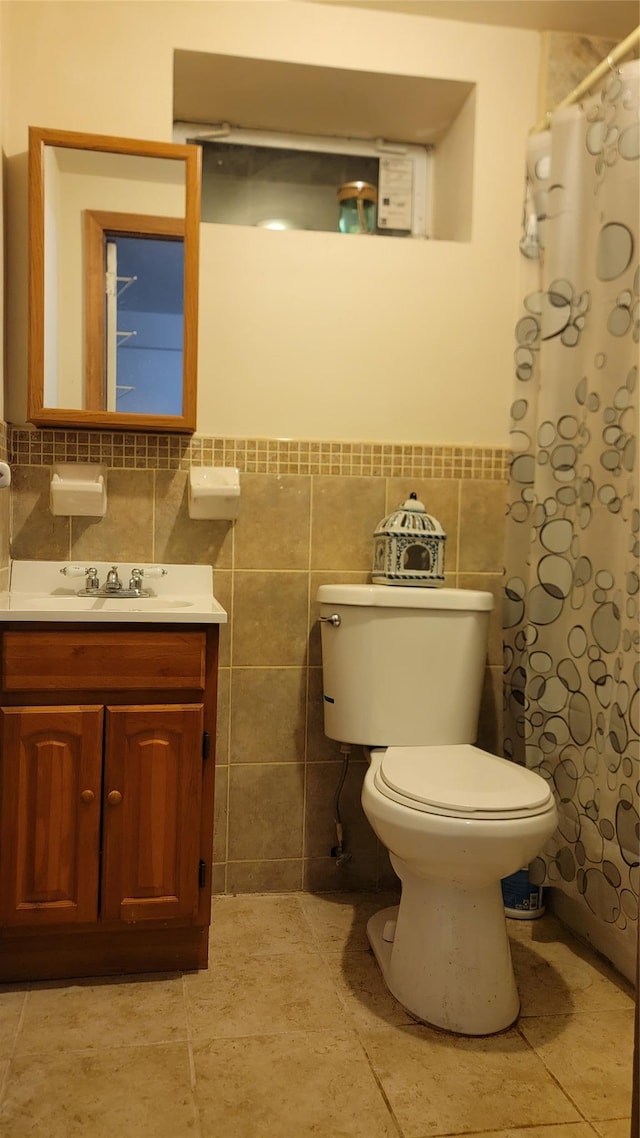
(39, 592)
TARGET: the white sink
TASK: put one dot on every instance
(109, 604)
(39, 592)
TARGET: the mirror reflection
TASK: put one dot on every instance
(134, 272)
(113, 281)
(143, 318)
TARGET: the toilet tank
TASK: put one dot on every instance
(402, 666)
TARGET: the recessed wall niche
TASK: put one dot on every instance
(287, 98)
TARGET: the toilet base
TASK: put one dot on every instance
(449, 963)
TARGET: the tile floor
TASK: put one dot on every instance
(291, 1033)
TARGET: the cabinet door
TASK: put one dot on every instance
(152, 805)
(51, 769)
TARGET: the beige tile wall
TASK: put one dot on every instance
(308, 511)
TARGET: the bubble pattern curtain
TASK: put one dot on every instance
(573, 525)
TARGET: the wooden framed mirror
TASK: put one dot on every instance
(113, 282)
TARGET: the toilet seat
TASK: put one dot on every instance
(461, 781)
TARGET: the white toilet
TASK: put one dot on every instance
(402, 674)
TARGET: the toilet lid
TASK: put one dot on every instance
(461, 780)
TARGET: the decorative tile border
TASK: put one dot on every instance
(262, 456)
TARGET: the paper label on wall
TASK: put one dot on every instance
(395, 193)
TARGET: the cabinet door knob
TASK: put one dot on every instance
(114, 798)
(87, 796)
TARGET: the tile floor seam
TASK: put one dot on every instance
(539, 1127)
(346, 1029)
(576, 1016)
(19, 1025)
(314, 935)
(572, 1014)
(383, 1093)
(197, 1133)
(103, 1048)
(550, 1073)
(505, 1131)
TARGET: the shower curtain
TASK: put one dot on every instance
(572, 599)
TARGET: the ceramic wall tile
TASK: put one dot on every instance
(223, 592)
(268, 720)
(320, 831)
(324, 875)
(283, 875)
(5, 529)
(222, 717)
(265, 810)
(482, 508)
(270, 613)
(221, 815)
(35, 533)
(179, 538)
(345, 514)
(272, 531)
(219, 878)
(125, 533)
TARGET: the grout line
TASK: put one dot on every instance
(538, 1127)
(171, 1041)
(548, 1070)
(21, 1018)
(307, 685)
(192, 1066)
(383, 1093)
(154, 502)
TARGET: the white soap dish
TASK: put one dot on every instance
(214, 492)
(79, 489)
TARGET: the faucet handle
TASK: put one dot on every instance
(78, 571)
(152, 571)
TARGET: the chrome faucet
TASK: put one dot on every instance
(91, 580)
(113, 584)
(135, 580)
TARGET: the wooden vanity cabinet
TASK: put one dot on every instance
(106, 798)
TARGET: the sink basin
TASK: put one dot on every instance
(110, 604)
(181, 595)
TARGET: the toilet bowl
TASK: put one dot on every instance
(451, 839)
(402, 674)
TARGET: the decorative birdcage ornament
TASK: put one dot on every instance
(408, 547)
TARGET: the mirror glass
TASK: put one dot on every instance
(113, 231)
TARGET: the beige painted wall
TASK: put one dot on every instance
(304, 334)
